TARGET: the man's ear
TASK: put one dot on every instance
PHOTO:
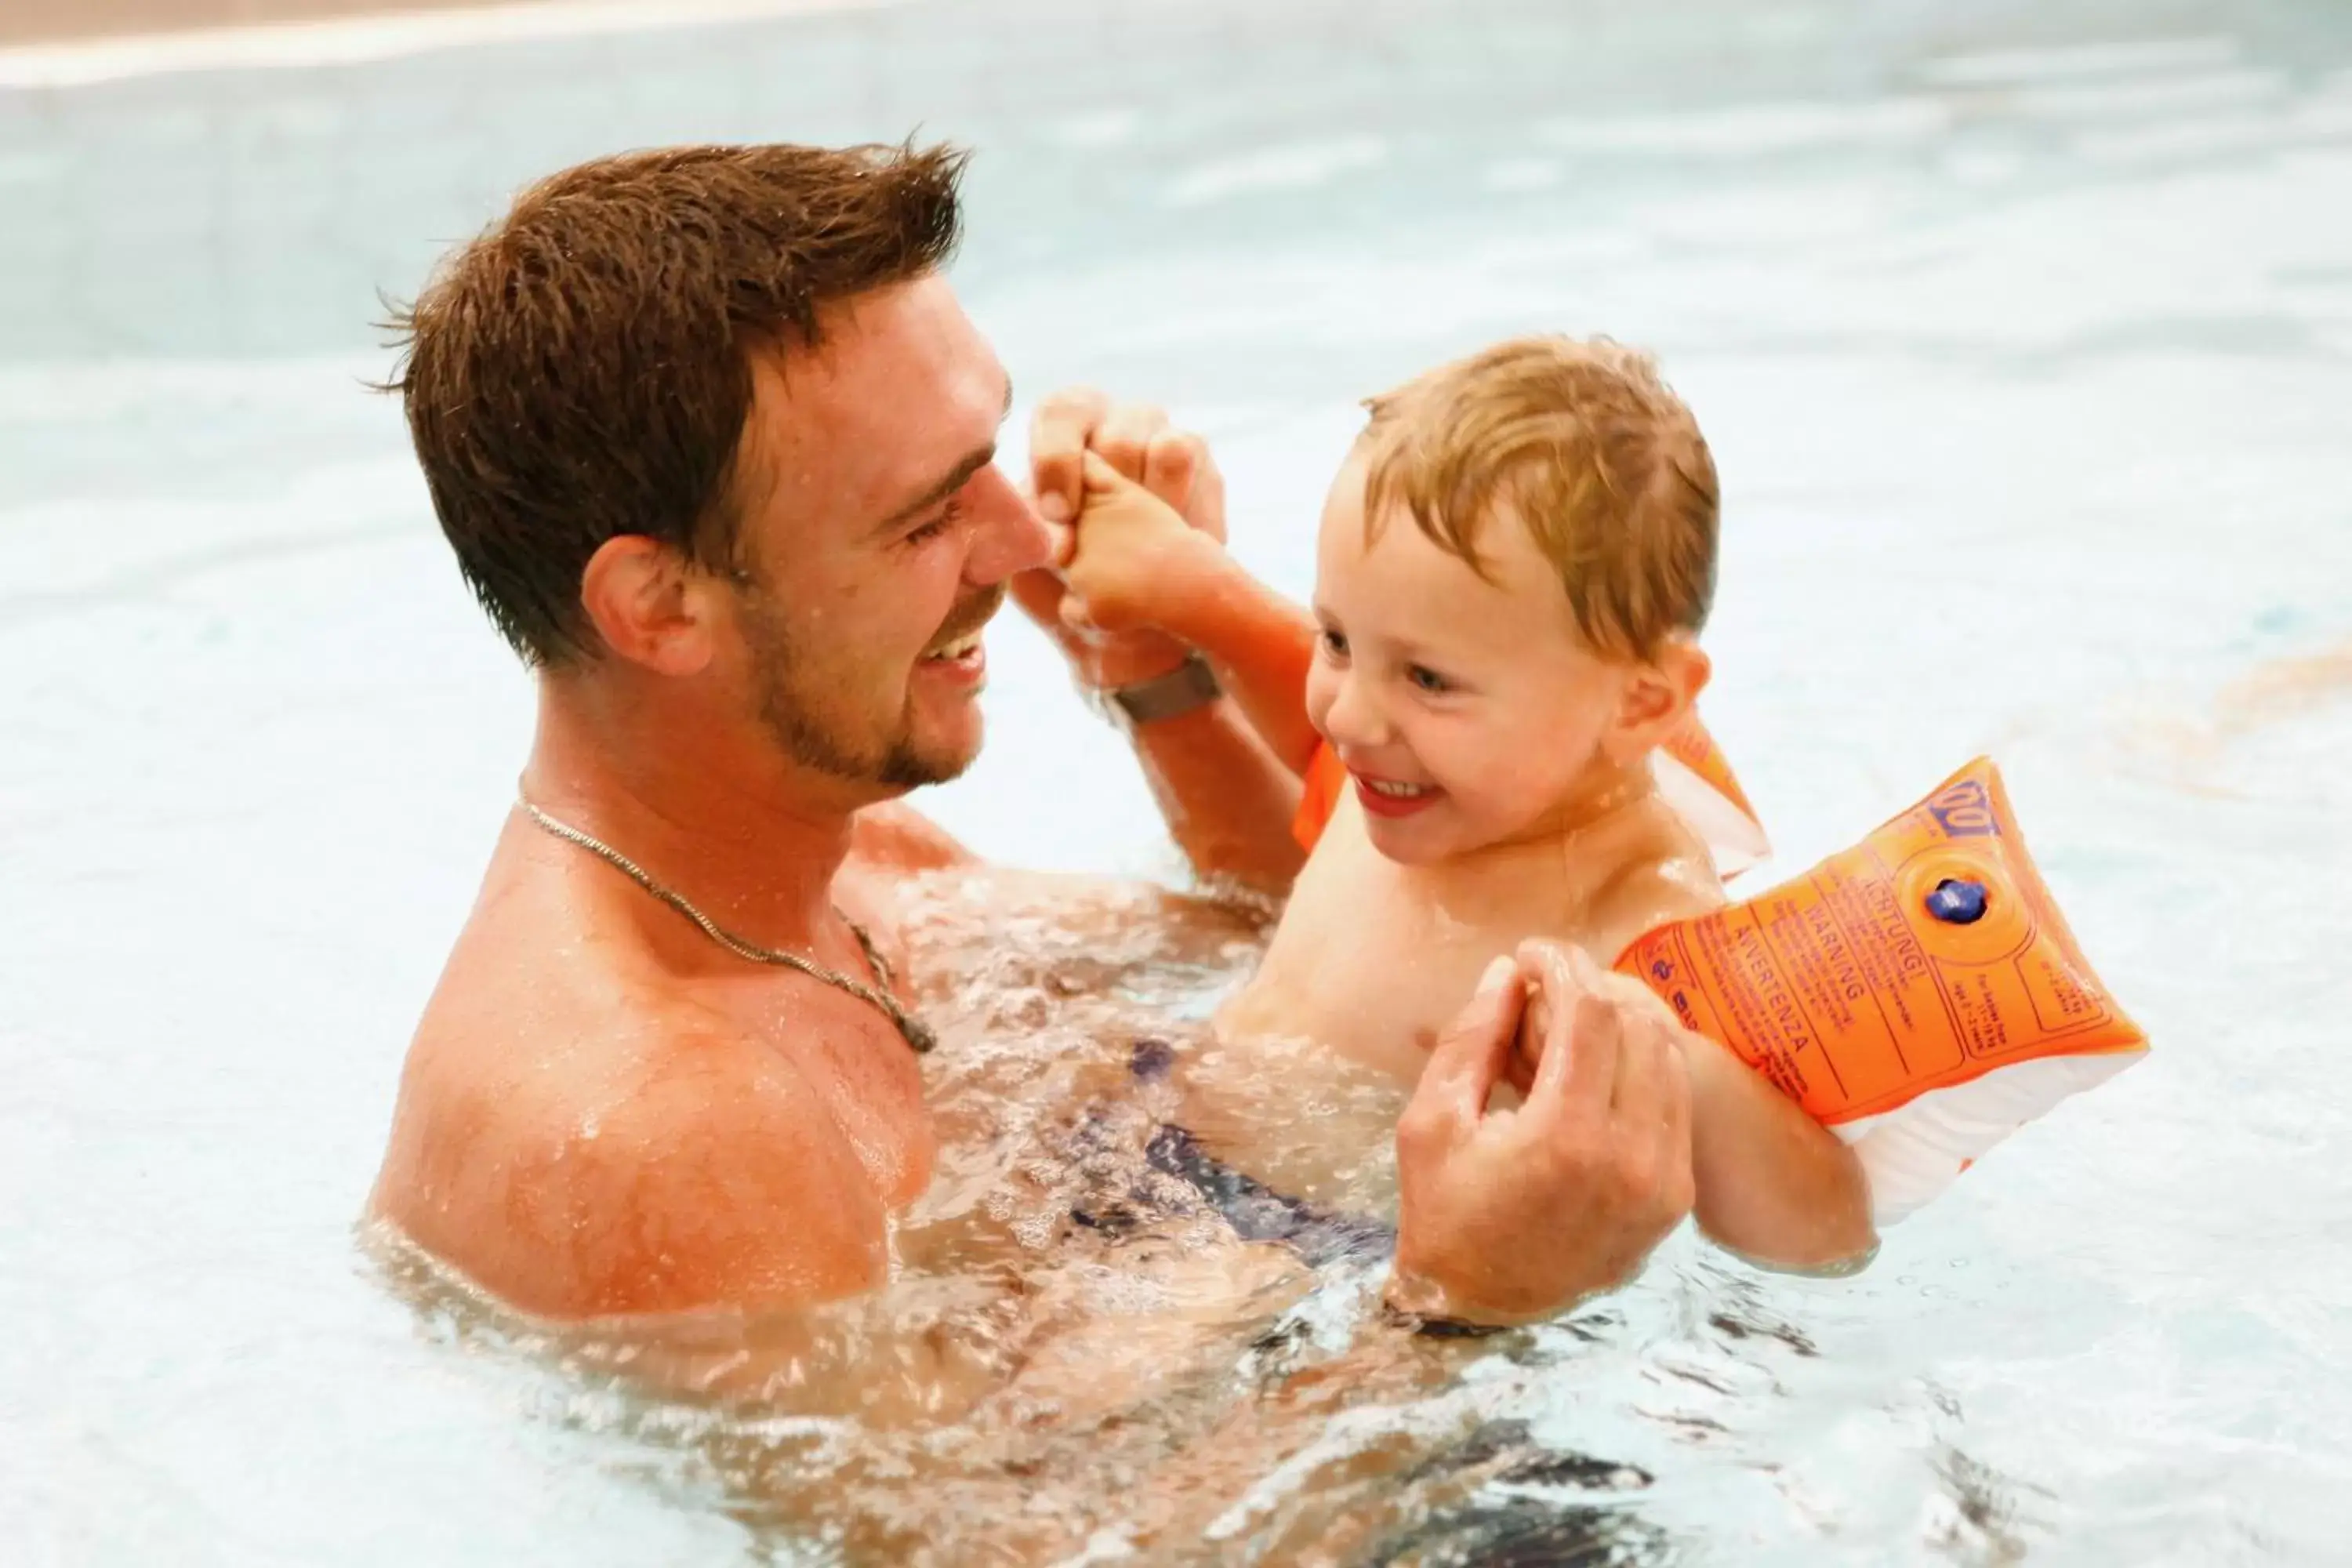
(648, 606)
(1657, 697)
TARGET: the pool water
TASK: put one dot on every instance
(2023, 336)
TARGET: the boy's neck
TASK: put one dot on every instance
(1576, 830)
(1605, 792)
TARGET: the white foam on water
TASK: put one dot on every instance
(2007, 66)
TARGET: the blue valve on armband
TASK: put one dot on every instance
(1957, 902)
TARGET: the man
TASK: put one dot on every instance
(714, 444)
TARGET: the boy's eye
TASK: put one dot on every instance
(1335, 643)
(1425, 679)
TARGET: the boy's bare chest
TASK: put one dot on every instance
(1373, 967)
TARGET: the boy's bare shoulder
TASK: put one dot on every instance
(1666, 876)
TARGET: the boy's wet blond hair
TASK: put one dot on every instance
(1585, 443)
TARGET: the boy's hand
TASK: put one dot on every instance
(1136, 440)
(1139, 442)
(1132, 548)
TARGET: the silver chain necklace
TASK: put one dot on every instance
(917, 1034)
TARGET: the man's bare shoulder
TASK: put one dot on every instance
(894, 837)
(584, 1136)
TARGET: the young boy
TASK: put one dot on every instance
(1515, 561)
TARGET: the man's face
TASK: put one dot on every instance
(877, 538)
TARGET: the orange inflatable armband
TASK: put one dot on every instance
(1693, 774)
(1696, 777)
(1919, 993)
(1326, 781)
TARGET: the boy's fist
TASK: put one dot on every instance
(1132, 549)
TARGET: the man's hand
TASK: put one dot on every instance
(1139, 444)
(1629, 994)
(1509, 1215)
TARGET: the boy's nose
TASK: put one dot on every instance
(1355, 718)
(1008, 536)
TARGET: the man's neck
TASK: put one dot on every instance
(707, 809)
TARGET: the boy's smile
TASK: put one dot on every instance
(1394, 797)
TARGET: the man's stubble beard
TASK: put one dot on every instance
(807, 727)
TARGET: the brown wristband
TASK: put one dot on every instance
(1438, 1328)
(1191, 685)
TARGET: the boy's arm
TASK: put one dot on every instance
(1774, 1186)
(1137, 564)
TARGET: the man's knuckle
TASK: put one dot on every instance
(1419, 1129)
(1570, 1160)
(1071, 399)
(1174, 450)
(1626, 1171)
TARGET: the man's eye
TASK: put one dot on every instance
(1427, 680)
(925, 532)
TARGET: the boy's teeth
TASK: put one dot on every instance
(1402, 791)
(955, 650)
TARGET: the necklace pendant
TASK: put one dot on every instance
(918, 1035)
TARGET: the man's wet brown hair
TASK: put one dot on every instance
(582, 370)
(1586, 445)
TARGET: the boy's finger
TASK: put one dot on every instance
(1101, 478)
(1059, 432)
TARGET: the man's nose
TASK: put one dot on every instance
(1008, 536)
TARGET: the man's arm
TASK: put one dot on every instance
(1138, 566)
(1227, 798)
(720, 1181)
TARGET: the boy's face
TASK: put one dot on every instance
(1468, 712)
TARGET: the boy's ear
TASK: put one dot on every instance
(1657, 695)
(649, 606)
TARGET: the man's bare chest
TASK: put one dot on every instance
(849, 1057)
